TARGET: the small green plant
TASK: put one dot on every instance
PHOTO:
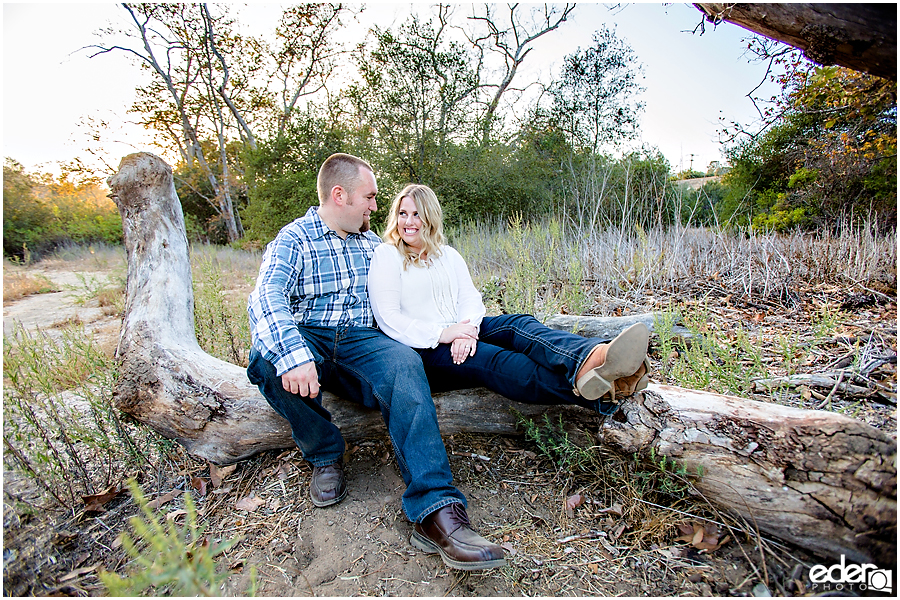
(222, 327)
(167, 558)
(656, 474)
(59, 425)
(725, 362)
(554, 443)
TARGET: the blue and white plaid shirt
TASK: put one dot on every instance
(309, 276)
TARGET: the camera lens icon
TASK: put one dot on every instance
(879, 580)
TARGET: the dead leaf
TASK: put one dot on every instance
(199, 484)
(509, 548)
(223, 490)
(615, 509)
(574, 501)
(175, 514)
(619, 531)
(249, 503)
(77, 573)
(282, 471)
(156, 503)
(218, 474)
(704, 537)
(96, 502)
(698, 537)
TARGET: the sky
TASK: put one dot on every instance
(51, 87)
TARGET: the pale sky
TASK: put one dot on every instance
(50, 86)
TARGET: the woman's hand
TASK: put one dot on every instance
(461, 349)
(461, 330)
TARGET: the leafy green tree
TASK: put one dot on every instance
(417, 95)
(282, 171)
(41, 212)
(830, 155)
(25, 218)
(211, 83)
(593, 98)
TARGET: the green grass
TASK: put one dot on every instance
(168, 558)
(59, 425)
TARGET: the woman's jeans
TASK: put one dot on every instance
(517, 357)
(364, 365)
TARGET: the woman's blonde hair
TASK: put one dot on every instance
(432, 230)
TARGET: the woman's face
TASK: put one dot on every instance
(409, 225)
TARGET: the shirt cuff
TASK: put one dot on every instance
(293, 360)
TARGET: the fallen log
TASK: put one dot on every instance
(817, 479)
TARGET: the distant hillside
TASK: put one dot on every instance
(697, 183)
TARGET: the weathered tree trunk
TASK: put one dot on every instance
(862, 37)
(818, 479)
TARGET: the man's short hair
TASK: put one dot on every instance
(339, 169)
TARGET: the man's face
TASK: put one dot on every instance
(360, 203)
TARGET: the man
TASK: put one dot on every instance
(312, 328)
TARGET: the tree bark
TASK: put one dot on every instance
(817, 479)
(862, 37)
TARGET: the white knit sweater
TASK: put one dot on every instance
(415, 304)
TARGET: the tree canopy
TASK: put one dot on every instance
(440, 98)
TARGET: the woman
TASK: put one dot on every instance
(422, 295)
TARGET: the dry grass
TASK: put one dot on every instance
(625, 265)
(18, 285)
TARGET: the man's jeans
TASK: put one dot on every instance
(518, 357)
(364, 365)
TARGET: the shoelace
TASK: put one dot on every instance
(459, 514)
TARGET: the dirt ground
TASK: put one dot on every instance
(361, 546)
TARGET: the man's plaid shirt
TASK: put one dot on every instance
(309, 276)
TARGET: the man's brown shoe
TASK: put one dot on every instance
(328, 485)
(448, 531)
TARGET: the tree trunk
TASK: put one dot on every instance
(817, 479)
(862, 37)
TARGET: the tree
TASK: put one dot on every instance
(417, 95)
(862, 37)
(41, 212)
(830, 154)
(282, 172)
(593, 97)
(513, 42)
(211, 83)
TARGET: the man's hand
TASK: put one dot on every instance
(302, 380)
(461, 349)
(461, 330)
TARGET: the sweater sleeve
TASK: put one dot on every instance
(469, 304)
(384, 293)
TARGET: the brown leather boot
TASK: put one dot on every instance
(448, 532)
(328, 485)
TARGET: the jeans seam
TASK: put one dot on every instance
(554, 347)
(400, 458)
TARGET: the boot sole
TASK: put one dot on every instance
(624, 356)
(427, 546)
(321, 504)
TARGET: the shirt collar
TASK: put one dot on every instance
(319, 229)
